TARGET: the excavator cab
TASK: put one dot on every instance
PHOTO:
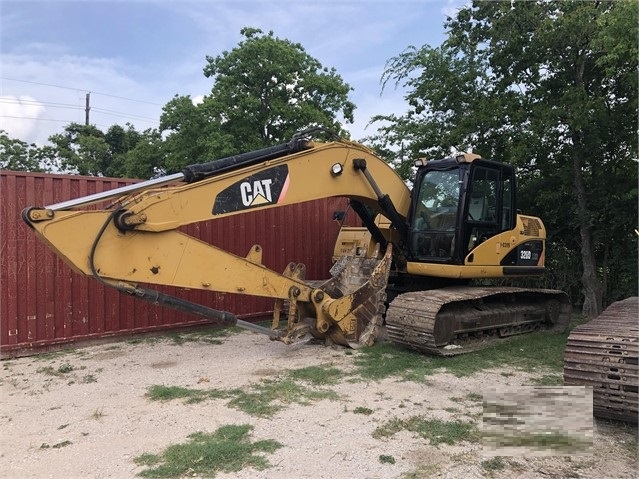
(459, 203)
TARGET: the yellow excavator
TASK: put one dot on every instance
(409, 268)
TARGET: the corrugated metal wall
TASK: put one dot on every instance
(43, 303)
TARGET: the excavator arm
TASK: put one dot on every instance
(136, 239)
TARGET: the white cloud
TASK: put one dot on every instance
(356, 37)
(17, 114)
(58, 85)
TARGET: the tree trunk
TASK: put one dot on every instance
(593, 291)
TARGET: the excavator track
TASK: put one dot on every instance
(604, 354)
(460, 319)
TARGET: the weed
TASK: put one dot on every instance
(97, 414)
(65, 368)
(474, 397)
(168, 393)
(435, 430)
(317, 375)
(363, 410)
(228, 449)
(54, 354)
(59, 372)
(548, 380)
(494, 464)
(385, 459)
(89, 378)
(62, 444)
(63, 426)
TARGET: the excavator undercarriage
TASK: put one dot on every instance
(461, 319)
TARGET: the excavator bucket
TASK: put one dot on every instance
(359, 284)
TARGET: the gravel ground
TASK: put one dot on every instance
(84, 413)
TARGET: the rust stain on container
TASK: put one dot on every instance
(44, 304)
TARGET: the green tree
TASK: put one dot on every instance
(21, 156)
(193, 136)
(147, 159)
(265, 89)
(82, 148)
(550, 86)
(87, 150)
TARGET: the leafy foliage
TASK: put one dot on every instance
(20, 156)
(550, 86)
(265, 89)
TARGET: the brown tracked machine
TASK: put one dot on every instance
(604, 354)
(412, 262)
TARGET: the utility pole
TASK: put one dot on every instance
(86, 109)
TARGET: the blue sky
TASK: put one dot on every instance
(134, 56)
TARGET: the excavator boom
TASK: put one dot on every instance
(136, 238)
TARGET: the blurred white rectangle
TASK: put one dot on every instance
(537, 421)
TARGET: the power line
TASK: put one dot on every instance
(69, 106)
(125, 115)
(47, 119)
(12, 101)
(80, 89)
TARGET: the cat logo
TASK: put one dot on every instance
(256, 192)
(260, 189)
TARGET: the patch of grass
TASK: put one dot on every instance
(386, 459)
(426, 470)
(266, 398)
(548, 380)
(55, 354)
(168, 393)
(435, 430)
(363, 410)
(385, 360)
(61, 371)
(494, 464)
(263, 399)
(317, 375)
(65, 368)
(229, 449)
(474, 397)
(89, 378)
(527, 352)
(551, 440)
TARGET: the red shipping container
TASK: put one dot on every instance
(44, 304)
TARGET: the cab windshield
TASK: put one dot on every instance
(435, 215)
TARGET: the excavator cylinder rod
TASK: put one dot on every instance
(201, 171)
(223, 318)
(116, 192)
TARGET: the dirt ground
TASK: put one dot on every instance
(85, 413)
